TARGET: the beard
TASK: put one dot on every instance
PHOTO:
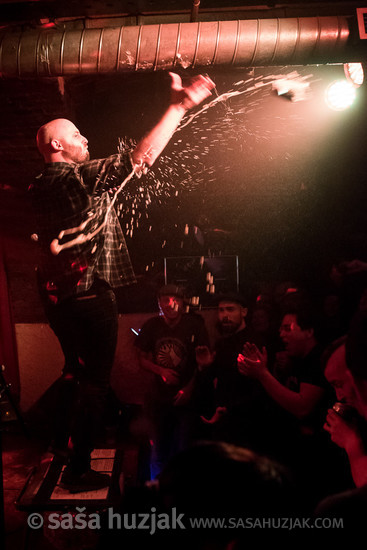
(82, 157)
(228, 328)
(78, 155)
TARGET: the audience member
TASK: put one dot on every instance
(352, 505)
(216, 482)
(217, 478)
(239, 410)
(342, 421)
(301, 397)
(301, 394)
(166, 347)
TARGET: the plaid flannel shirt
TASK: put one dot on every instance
(63, 197)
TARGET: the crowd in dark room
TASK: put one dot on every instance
(251, 450)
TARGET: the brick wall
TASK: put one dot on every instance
(24, 106)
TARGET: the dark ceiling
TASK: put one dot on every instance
(13, 11)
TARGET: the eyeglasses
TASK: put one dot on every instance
(287, 328)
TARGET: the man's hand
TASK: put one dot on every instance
(182, 397)
(169, 377)
(342, 433)
(204, 357)
(183, 98)
(219, 413)
(252, 362)
(193, 93)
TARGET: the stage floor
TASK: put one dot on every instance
(31, 476)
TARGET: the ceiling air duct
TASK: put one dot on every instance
(243, 43)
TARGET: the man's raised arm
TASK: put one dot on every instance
(183, 98)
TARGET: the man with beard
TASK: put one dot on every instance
(237, 408)
(84, 255)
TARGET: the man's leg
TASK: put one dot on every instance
(161, 438)
(90, 325)
(62, 323)
(98, 338)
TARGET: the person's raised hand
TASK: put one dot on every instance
(191, 94)
(252, 362)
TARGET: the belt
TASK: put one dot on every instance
(88, 297)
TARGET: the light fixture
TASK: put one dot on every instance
(354, 73)
(340, 95)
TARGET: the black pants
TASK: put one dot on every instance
(86, 327)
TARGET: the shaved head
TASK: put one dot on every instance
(60, 141)
(55, 129)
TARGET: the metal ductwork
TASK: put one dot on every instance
(243, 43)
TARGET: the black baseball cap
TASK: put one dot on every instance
(171, 290)
(234, 297)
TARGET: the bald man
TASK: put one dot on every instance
(83, 256)
(61, 141)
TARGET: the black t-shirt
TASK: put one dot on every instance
(233, 390)
(248, 420)
(307, 370)
(172, 348)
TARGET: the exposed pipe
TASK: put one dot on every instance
(194, 11)
(246, 43)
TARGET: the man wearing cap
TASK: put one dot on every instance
(166, 347)
(238, 406)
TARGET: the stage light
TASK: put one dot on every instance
(340, 95)
(354, 73)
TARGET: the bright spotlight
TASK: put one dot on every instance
(340, 95)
